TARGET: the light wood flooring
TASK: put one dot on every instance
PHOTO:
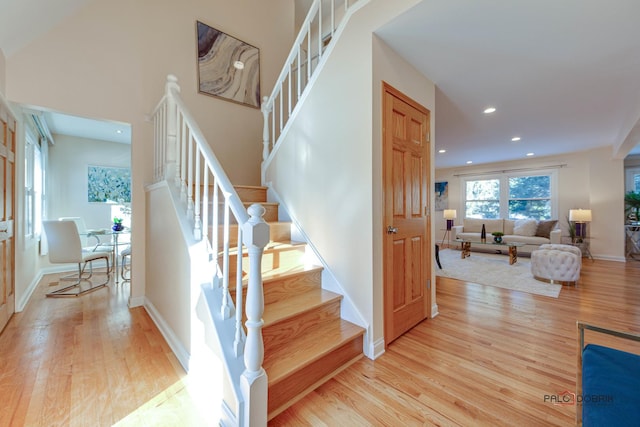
(489, 358)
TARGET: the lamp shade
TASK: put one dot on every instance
(449, 214)
(580, 215)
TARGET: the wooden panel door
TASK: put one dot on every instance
(407, 246)
(7, 241)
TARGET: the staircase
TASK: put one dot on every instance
(305, 340)
(277, 332)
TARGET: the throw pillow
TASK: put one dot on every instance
(525, 227)
(545, 227)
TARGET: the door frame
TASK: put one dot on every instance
(428, 264)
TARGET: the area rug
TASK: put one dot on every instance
(494, 270)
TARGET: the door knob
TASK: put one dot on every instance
(392, 230)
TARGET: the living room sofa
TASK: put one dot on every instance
(528, 231)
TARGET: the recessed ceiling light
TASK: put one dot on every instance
(118, 131)
(530, 154)
(489, 110)
(442, 151)
(238, 65)
(469, 162)
(515, 138)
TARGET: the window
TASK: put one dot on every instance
(530, 197)
(511, 196)
(482, 198)
(632, 179)
(33, 182)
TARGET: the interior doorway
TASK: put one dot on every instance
(407, 243)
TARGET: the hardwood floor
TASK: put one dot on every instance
(489, 358)
(89, 361)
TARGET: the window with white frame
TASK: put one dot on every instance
(33, 181)
(511, 195)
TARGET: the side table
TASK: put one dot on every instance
(582, 244)
(632, 232)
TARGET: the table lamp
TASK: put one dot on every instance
(449, 215)
(581, 217)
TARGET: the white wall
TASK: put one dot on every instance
(590, 180)
(110, 61)
(2, 73)
(324, 169)
(67, 183)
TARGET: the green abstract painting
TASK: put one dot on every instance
(109, 184)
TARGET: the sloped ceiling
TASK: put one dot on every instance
(562, 75)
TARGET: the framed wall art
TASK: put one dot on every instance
(228, 68)
(109, 184)
(442, 195)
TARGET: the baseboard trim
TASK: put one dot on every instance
(24, 300)
(376, 349)
(434, 310)
(174, 343)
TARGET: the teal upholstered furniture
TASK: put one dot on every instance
(608, 382)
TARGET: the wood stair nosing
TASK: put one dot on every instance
(281, 284)
(321, 340)
(247, 193)
(250, 193)
(270, 215)
(298, 304)
(285, 388)
(276, 255)
(284, 323)
(279, 232)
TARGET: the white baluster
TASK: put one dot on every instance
(253, 382)
(172, 131)
(266, 109)
(179, 127)
(215, 244)
(308, 53)
(190, 178)
(238, 344)
(197, 230)
(205, 203)
(183, 161)
(225, 309)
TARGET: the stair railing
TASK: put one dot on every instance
(184, 158)
(316, 36)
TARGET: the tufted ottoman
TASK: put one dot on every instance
(556, 263)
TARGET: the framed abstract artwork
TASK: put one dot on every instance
(109, 184)
(228, 68)
(442, 196)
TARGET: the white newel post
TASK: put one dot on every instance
(172, 129)
(266, 109)
(253, 382)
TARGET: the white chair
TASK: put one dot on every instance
(125, 264)
(83, 232)
(65, 248)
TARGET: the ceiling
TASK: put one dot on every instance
(103, 130)
(21, 22)
(563, 75)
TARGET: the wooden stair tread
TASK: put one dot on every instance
(280, 273)
(308, 348)
(297, 304)
(247, 204)
(271, 247)
(251, 187)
